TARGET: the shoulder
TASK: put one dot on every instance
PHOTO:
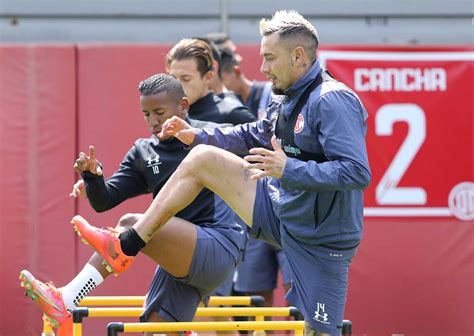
(332, 86)
(140, 148)
(333, 91)
(337, 98)
(140, 142)
(231, 97)
(143, 145)
(227, 104)
(235, 111)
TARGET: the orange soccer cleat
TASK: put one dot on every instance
(47, 297)
(105, 242)
(65, 329)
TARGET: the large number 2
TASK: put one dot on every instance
(388, 191)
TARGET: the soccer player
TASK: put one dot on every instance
(192, 63)
(301, 186)
(256, 95)
(196, 252)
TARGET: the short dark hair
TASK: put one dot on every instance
(216, 53)
(218, 38)
(228, 60)
(192, 49)
(161, 82)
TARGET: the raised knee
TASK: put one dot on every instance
(200, 152)
(198, 157)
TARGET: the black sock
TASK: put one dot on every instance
(130, 242)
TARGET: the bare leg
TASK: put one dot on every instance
(96, 261)
(206, 166)
(177, 238)
(173, 249)
(310, 331)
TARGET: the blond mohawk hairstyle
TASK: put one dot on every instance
(285, 20)
(292, 26)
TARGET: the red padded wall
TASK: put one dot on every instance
(410, 276)
(37, 143)
(414, 278)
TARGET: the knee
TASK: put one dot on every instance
(198, 158)
(127, 220)
(201, 153)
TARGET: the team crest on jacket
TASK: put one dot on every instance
(299, 124)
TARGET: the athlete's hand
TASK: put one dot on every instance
(270, 163)
(78, 190)
(88, 163)
(178, 128)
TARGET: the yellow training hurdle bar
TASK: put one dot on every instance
(259, 313)
(118, 327)
(254, 300)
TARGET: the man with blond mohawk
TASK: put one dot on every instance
(299, 188)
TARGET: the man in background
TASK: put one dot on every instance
(191, 62)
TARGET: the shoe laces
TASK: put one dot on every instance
(50, 287)
(113, 231)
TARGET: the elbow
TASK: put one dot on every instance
(365, 180)
(361, 178)
(358, 177)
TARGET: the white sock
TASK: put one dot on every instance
(79, 287)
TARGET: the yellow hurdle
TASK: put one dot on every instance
(112, 301)
(47, 328)
(259, 313)
(208, 311)
(254, 300)
(117, 327)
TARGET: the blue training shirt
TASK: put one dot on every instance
(317, 203)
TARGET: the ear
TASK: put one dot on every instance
(209, 74)
(183, 106)
(237, 71)
(298, 56)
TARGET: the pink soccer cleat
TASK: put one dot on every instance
(47, 297)
(105, 242)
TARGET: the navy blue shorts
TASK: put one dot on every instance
(225, 289)
(319, 275)
(258, 270)
(176, 299)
